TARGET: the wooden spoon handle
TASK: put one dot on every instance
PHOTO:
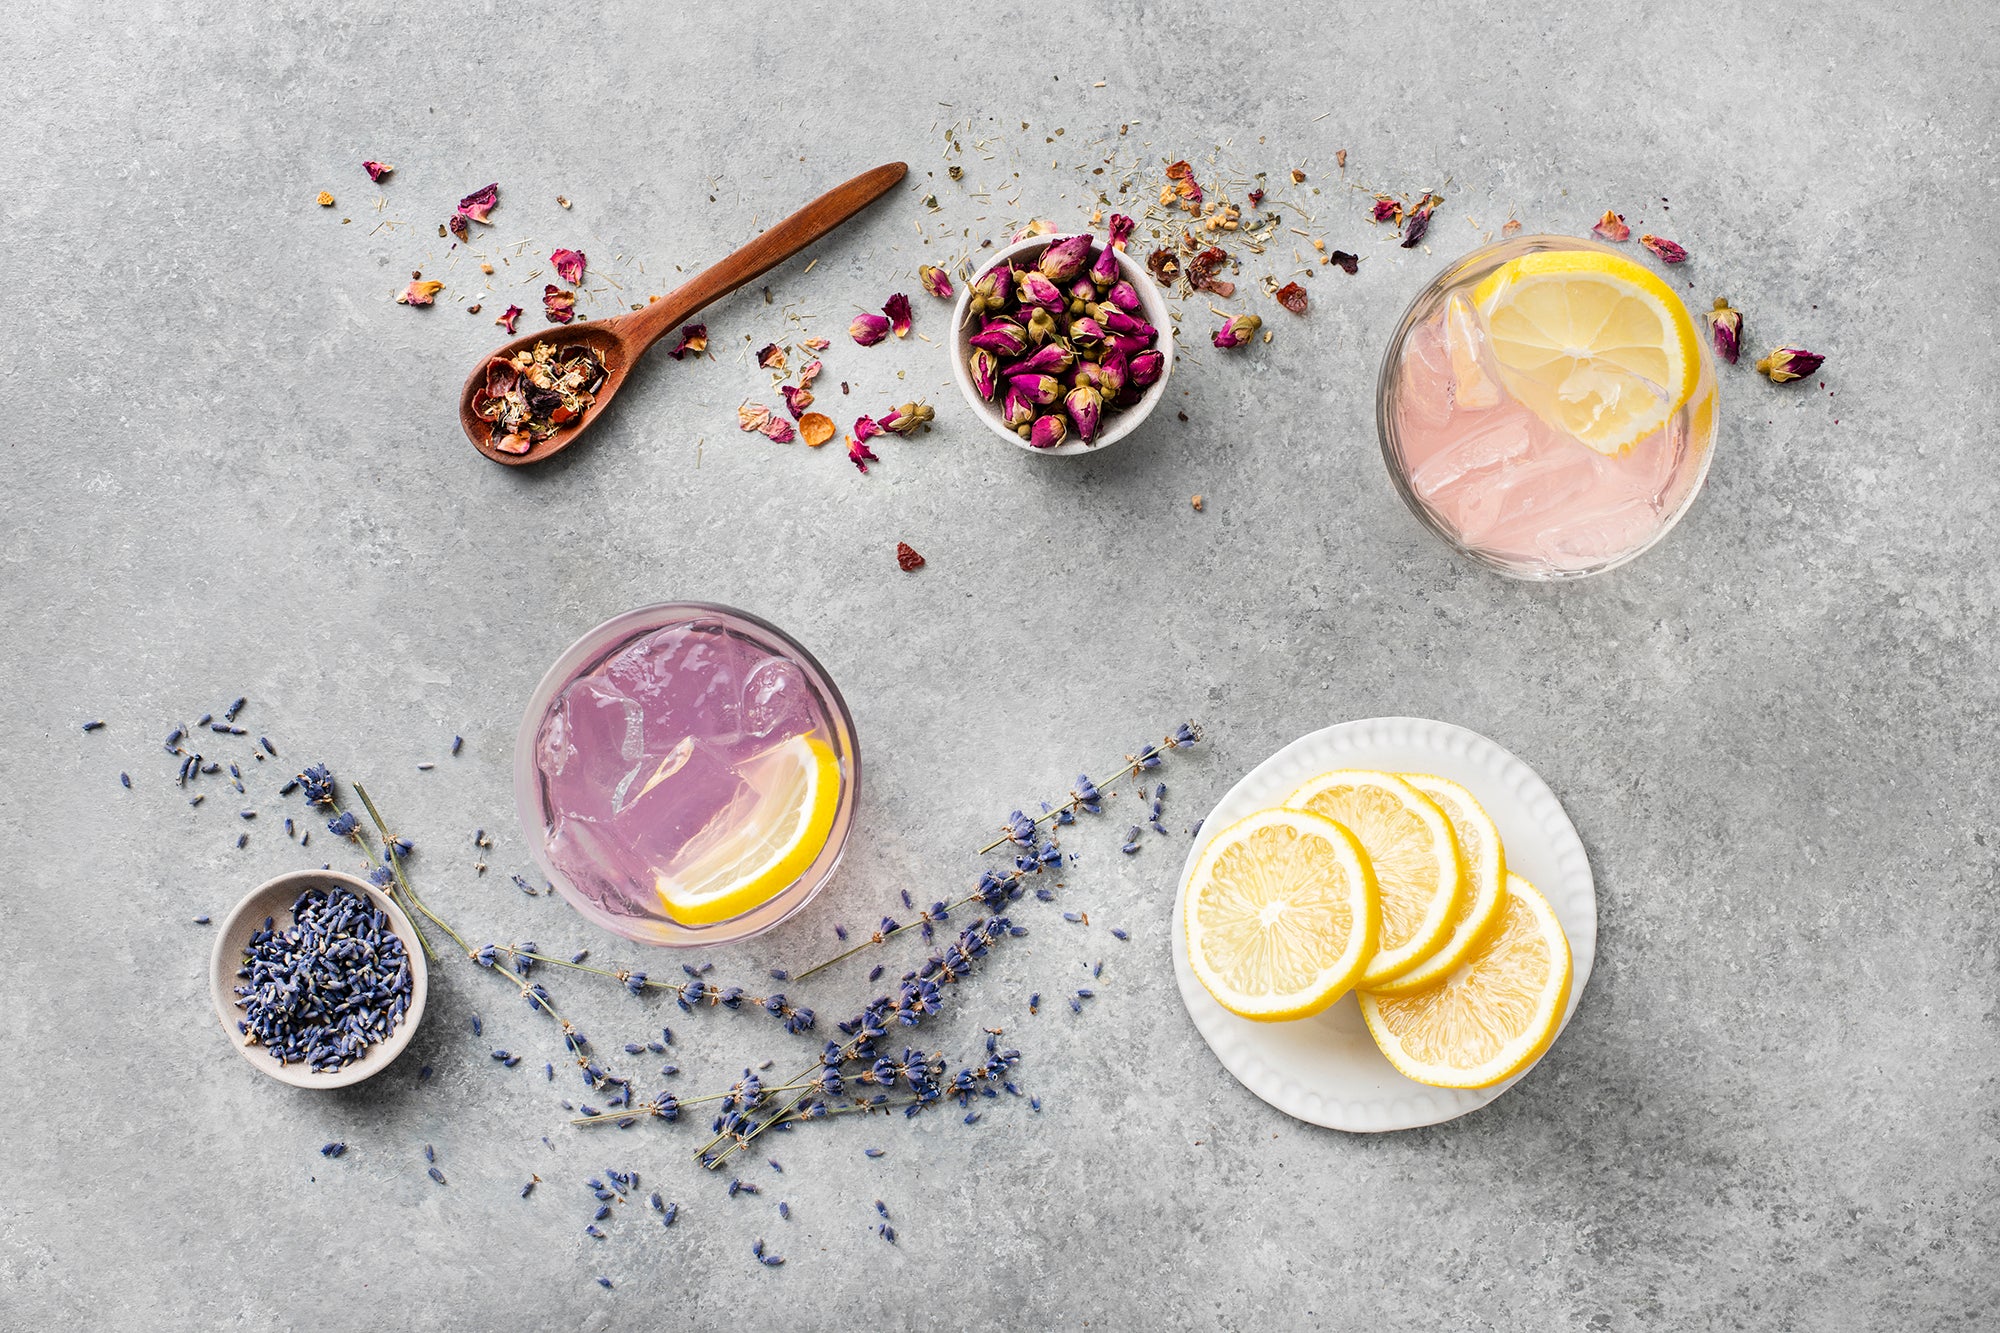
(773, 247)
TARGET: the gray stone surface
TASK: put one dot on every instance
(232, 467)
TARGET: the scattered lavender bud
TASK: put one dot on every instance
(201, 920)
(125, 780)
(457, 744)
(334, 1149)
(436, 1175)
(871, 1152)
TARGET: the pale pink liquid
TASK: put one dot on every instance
(695, 701)
(1528, 495)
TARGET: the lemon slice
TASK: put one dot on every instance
(1409, 846)
(795, 790)
(1594, 344)
(1280, 915)
(1495, 1013)
(1485, 882)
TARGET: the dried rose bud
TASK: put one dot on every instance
(460, 227)
(1669, 252)
(1002, 337)
(897, 308)
(866, 428)
(1114, 373)
(796, 400)
(1087, 374)
(1041, 327)
(909, 418)
(779, 430)
(1015, 409)
(1085, 410)
(1123, 295)
(1130, 326)
(1129, 344)
(1785, 364)
(992, 289)
(1065, 259)
(1086, 332)
(1418, 220)
(421, 291)
(1148, 366)
(935, 280)
(694, 338)
(569, 265)
(376, 170)
(1049, 359)
(1082, 292)
(1103, 268)
(1387, 209)
(1035, 289)
(752, 416)
(985, 368)
(1725, 326)
(1040, 390)
(1048, 431)
(1612, 227)
(860, 454)
(480, 203)
(1237, 331)
(771, 357)
(868, 329)
(506, 321)
(1292, 297)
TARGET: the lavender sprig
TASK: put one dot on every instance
(688, 994)
(1085, 797)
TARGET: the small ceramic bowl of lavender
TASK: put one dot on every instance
(335, 979)
(1062, 344)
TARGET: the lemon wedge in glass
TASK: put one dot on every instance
(733, 866)
(1594, 344)
(1495, 1013)
(1280, 915)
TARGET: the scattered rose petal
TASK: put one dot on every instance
(816, 428)
(1292, 297)
(1256, 198)
(1182, 184)
(1236, 331)
(771, 357)
(860, 454)
(694, 339)
(779, 429)
(1510, 227)
(1201, 272)
(1669, 252)
(1612, 227)
(376, 170)
(1387, 208)
(506, 321)
(868, 329)
(1164, 265)
(797, 400)
(1418, 220)
(809, 372)
(1785, 364)
(480, 203)
(569, 265)
(421, 291)
(866, 428)
(897, 308)
(514, 443)
(935, 280)
(752, 416)
(907, 558)
(1344, 261)
(557, 304)
(1725, 326)
(325, 199)
(459, 226)
(815, 344)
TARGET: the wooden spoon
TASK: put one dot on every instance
(620, 341)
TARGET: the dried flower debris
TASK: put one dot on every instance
(376, 170)
(1292, 297)
(478, 206)
(816, 428)
(907, 558)
(693, 342)
(421, 291)
(531, 395)
(1669, 252)
(558, 305)
(506, 321)
(569, 265)
(1611, 227)
(324, 199)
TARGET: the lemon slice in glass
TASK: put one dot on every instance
(1594, 344)
(1485, 860)
(1495, 1013)
(795, 791)
(1410, 848)
(1280, 915)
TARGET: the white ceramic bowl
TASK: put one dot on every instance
(274, 899)
(1116, 426)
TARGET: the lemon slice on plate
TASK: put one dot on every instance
(1594, 344)
(1409, 846)
(1495, 1013)
(1485, 882)
(794, 793)
(1281, 915)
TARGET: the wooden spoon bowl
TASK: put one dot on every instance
(619, 342)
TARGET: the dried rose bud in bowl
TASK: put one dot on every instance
(1062, 343)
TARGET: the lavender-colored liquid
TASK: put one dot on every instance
(643, 753)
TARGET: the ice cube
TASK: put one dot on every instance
(777, 702)
(1423, 393)
(1476, 458)
(1594, 535)
(678, 794)
(1475, 377)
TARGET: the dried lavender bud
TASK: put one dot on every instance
(1725, 326)
(1785, 364)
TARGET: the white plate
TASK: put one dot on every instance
(1325, 1069)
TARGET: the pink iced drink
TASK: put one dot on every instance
(645, 752)
(1506, 483)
